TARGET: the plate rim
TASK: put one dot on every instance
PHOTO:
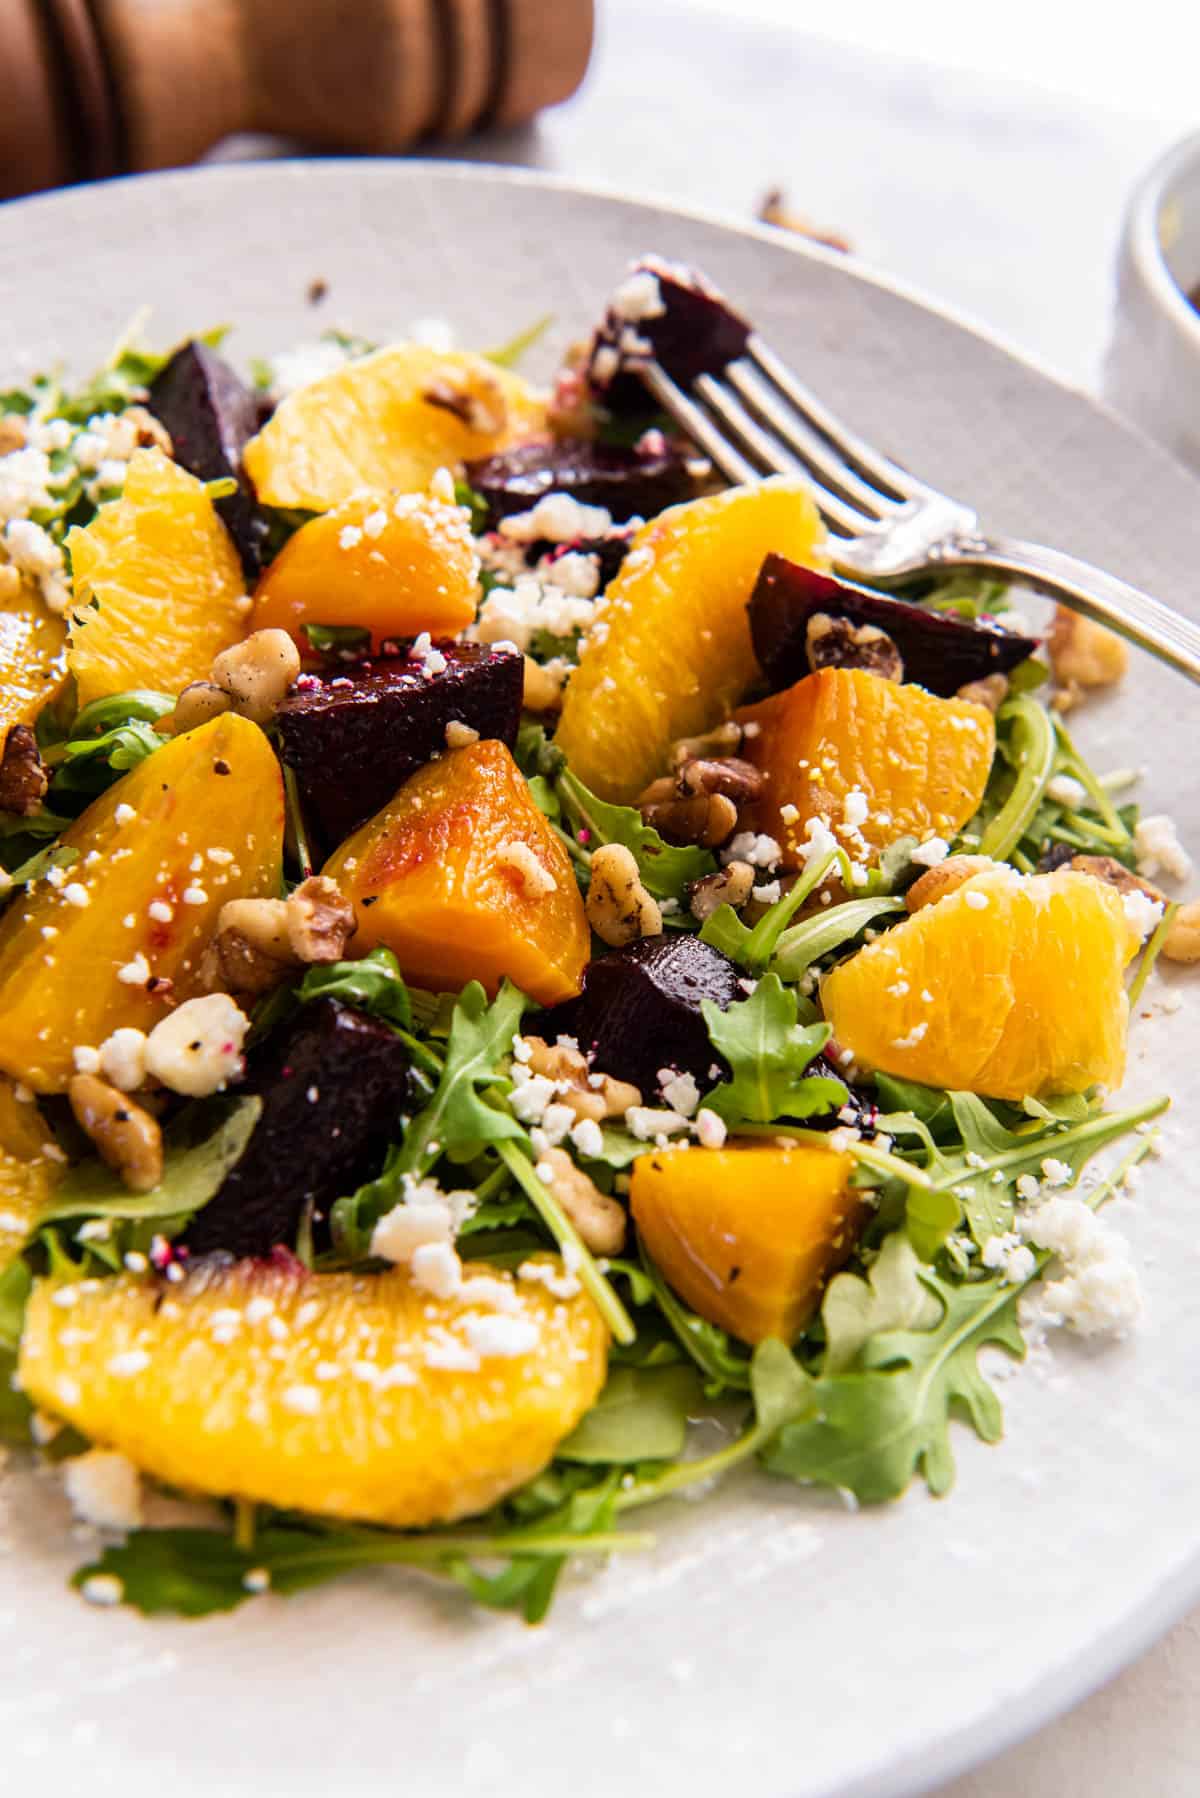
(1125, 1640)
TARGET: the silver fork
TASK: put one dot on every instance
(883, 523)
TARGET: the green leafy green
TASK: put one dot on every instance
(723, 1362)
(891, 1297)
(641, 1415)
(507, 355)
(1030, 748)
(887, 1415)
(459, 1120)
(807, 942)
(374, 984)
(192, 1173)
(666, 871)
(348, 640)
(768, 1053)
(476, 505)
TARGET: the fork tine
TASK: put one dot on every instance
(804, 442)
(703, 433)
(776, 457)
(876, 468)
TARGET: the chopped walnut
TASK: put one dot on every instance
(699, 802)
(990, 691)
(732, 885)
(945, 878)
(151, 432)
(708, 819)
(320, 921)
(1115, 874)
(839, 643)
(544, 686)
(199, 702)
(599, 1220)
(257, 673)
(23, 779)
(619, 909)
(595, 1096)
(1182, 941)
(13, 433)
(1084, 654)
(126, 1135)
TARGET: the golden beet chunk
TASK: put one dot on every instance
(33, 661)
(30, 1165)
(116, 938)
(389, 420)
(392, 564)
(349, 1395)
(166, 581)
(670, 651)
(748, 1236)
(872, 759)
(1009, 985)
(463, 878)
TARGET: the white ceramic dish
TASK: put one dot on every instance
(1152, 372)
(774, 1640)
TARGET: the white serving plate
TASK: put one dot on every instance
(774, 1641)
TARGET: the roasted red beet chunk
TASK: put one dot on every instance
(626, 482)
(640, 1010)
(333, 1084)
(211, 415)
(354, 737)
(940, 651)
(668, 313)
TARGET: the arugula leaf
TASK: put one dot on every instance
(768, 1054)
(873, 1427)
(196, 1572)
(374, 984)
(890, 1297)
(458, 1119)
(1030, 748)
(641, 1415)
(805, 943)
(507, 355)
(715, 1353)
(476, 505)
(192, 1173)
(666, 871)
(15, 1409)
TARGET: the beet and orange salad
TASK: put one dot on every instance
(504, 957)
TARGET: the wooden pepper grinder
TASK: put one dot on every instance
(105, 87)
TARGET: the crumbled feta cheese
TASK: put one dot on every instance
(558, 518)
(544, 1273)
(532, 605)
(575, 574)
(104, 1489)
(349, 537)
(135, 972)
(375, 524)
(87, 1060)
(496, 1336)
(855, 809)
(710, 1129)
(1158, 849)
(123, 1058)
(159, 911)
(194, 895)
(414, 1224)
(1027, 1187)
(1099, 1293)
(915, 1036)
(305, 1401)
(976, 901)
(305, 362)
(1010, 1255)
(436, 1269)
(931, 852)
(448, 1355)
(768, 893)
(256, 1580)
(75, 893)
(1065, 790)
(588, 1138)
(749, 846)
(638, 297)
(197, 1048)
(33, 552)
(647, 1123)
(124, 814)
(679, 1090)
(1141, 912)
(531, 1097)
(102, 1589)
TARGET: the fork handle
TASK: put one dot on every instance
(1168, 635)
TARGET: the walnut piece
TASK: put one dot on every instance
(126, 1135)
(991, 690)
(595, 1096)
(23, 779)
(1182, 941)
(706, 819)
(619, 909)
(476, 398)
(839, 643)
(257, 673)
(726, 739)
(543, 690)
(1083, 653)
(320, 920)
(199, 702)
(1115, 874)
(945, 878)
(732, 885)
(599, 1220)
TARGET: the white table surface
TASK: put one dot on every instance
(1001, 199)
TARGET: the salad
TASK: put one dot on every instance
(503, 958)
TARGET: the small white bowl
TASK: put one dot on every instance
(1152, 371)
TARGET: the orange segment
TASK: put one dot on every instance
(1009, 985)
(388, 420)
(357, 1396)
(197, 823)
(395, 565)
(33, 661)
(30, 1165)
(166, 581)
(747, 1237)
(462, 877)
(670, 650)
(921, 763)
